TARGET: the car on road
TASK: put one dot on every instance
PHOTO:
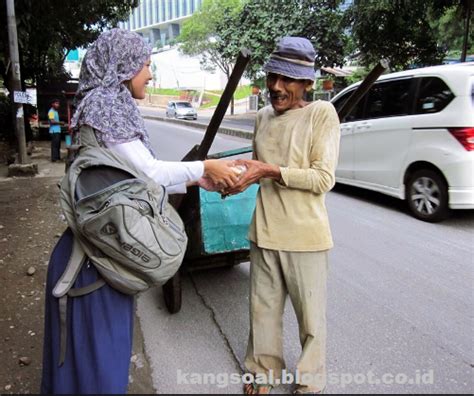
(181, 109)
(412, 137)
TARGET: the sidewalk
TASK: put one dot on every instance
(30, 225)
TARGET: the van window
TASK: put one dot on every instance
(433, 95)
(356, 112)
(389, 99)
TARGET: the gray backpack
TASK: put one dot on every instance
(122, 223)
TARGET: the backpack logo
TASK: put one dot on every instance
(109, 229)
(129, 248)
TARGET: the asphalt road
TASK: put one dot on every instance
(400, 302)
(238, 121)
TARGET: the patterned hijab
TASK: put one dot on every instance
(102, 100)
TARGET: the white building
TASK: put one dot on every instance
(159, 22)
(175, 70)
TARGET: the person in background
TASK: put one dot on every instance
(55, 130)
(114, 72)
(296, 145)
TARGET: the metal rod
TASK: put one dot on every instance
(213, 127)
(230, 153)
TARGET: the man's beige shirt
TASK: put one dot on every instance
(291, 214)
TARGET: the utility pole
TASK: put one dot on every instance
(16, 86)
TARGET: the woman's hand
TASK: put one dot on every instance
(220, 172)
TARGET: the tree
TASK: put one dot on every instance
(223, 27)
(448, 28)
(405, 32)
(47, 29)
(263, 22)
(201, 36)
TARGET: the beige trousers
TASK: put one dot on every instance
(302, 275)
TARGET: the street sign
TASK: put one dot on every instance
(22, 97)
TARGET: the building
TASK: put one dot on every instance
(159, 21)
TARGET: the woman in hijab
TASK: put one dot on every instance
(99, 325)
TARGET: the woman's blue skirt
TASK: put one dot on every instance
(99, 333)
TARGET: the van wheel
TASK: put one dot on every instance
(427, 196)
(172, 294)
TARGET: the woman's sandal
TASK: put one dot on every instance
(256, 388)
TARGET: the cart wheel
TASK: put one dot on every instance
(172, 294)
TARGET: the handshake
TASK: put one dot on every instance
(230, 177)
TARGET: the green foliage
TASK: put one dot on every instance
(358, 75)
(172, 42)
(6, 120)
(202, 34)
(47, 29)
(449, 29)
(223, 27)
(263, 22)
(406, 32)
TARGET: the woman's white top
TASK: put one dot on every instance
(172, 174)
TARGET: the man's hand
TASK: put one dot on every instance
(208, 184)
(256, 170)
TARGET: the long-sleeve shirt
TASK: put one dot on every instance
(290, 214)
(171, 174)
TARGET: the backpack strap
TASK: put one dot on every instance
(63, 289)
(87, 137)
(73, 267)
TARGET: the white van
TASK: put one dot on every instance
(412, 137)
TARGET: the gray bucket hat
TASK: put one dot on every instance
(293, 57)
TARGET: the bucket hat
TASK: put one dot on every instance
(294, 58)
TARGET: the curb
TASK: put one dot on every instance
(222, 130)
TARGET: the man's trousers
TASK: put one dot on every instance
(55, 146)
(303, 276)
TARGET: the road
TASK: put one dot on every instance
(239, 121)
(400, 301)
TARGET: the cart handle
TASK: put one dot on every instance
(363, 88)
(200, 152)
(230, 153)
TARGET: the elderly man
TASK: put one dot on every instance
(296, 146)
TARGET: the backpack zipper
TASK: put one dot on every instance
(165, 220)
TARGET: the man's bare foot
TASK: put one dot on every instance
(305, 390)
(256, 389)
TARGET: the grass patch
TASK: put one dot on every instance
(211, 100)
(163, 91)
(241, 92)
